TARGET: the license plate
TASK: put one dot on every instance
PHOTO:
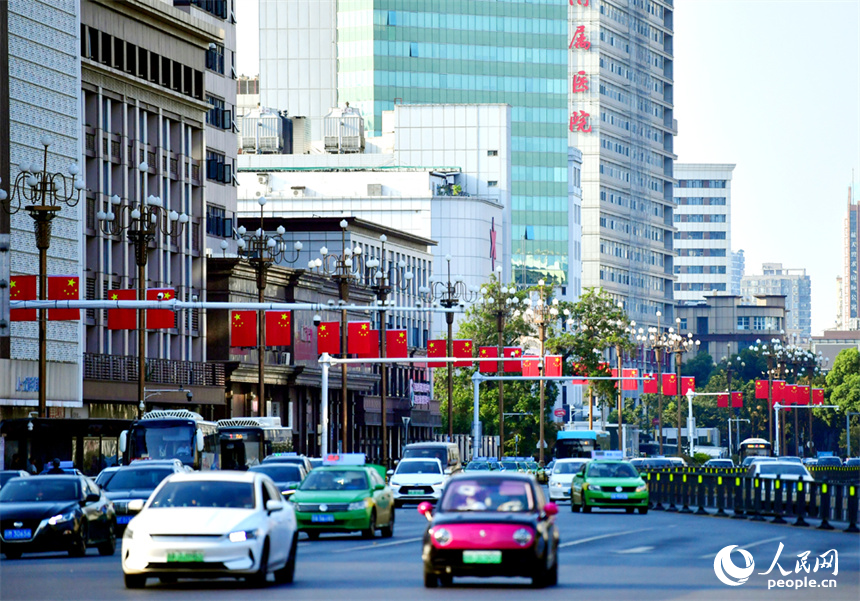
(123, 519)
(416, 492)
(18, 534)
(184, 556)
(322, 518)
(618, 495)
(482, 557)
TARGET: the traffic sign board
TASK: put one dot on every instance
(559, 413)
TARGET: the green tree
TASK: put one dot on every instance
(843, 389)
(701, 366)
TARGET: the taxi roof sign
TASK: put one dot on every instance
(344, 459)
(607, 455)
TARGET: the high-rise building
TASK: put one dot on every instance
(621, 117)
(851, 266)
(795, 286)
(738, 267)
(374, 54)
(704, 237)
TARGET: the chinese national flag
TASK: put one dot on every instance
(650, 386)
(395, 344)
(531, 366)
(328, 338)
(670, 384)
(437, 348)
(358, 337)
(122, 319)
(21, 288)
(722, 400)
(630, 384)
(688, 383)
(513, 352)
(801, 396)
(278, 328)
(737, 400)
(243, 328)
(463, 348)
(761, 389)
(552, 369)
(159, 319)
(817, 396)
(791, 394)
(63, 287)
(373, 351)
(488, 367)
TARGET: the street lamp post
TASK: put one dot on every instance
(679, 346)
(142, 221)
(658, 341)
(261, 251)
(46, 194)
(449, 294)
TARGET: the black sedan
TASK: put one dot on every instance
(55, 513)
(132, 482)
(287, 476)
(491, 524)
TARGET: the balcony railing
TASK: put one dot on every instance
(123, 368)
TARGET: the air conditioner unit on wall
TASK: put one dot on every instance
(298, 191)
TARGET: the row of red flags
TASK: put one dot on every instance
(788, 394)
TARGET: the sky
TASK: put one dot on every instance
(772, 86)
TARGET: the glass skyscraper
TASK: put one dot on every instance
(455, 51)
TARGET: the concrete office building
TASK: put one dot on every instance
(621, 116)
(704, 237)
(37, 101)
(738, 268)
(795, 286)
(377, 53)
(850, 297)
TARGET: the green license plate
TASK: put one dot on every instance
(482, 557)
(184, 556)
(416, 492)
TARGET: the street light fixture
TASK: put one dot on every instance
(141, 221)
(260, 250)
(658, 341)
(679, 345)
(46, 194)
(151, 392)
(449, 294)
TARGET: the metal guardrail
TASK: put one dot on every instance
(123, 368)
(735, 494)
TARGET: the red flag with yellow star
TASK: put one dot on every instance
(122, 319)
(670, 384)
(737, 400)
(243, 328)
(779, 389)
(328, 338)
(278, 328)
(513, 352)
(63, 287)
(817, 396)
(531, 366)
(552, 368)
(21, 288)
(436, 348)
(358, 337)
(395, 344)
(722, 401)
(650, 386)
(761, 389)
(630, 384)
(373, 350)
(688, 383)
(463, 348)
(488, 367)
(161, 319)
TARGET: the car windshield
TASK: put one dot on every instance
(279, 473)
(532, 465)
(6, 476)
(130, 479)
(335, 480)
(478, 466)
(488, 494)
(418, 467)
(162, 441)
(509, 465)
(829, 461)
(718, 463)
(782, 469)
(440, 453)
(105, 476)
(791, 459)
(612, 470)
(205, 493)
(290, 460)
(36, 490)
(566, 467)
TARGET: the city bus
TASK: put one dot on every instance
(172, 434)
(246, 441)
(755, 447)
(580, 443)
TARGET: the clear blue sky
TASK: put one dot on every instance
(773, 86)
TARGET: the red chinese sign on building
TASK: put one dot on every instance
(580, 2)
(580, 82)
(579, 40)
(579, 122)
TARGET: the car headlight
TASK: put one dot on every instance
(359, 505)
(642, 488)
(595, 487)
(523, 536)
(394, 484)
(441, 536)
(61, 518)
(555, 483)
(240, 536)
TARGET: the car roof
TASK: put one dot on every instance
(492, 476)
(777, 463)
(364, 467)
(218, 476)
(436, 459)
(421, 445)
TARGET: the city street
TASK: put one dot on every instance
(609, 554)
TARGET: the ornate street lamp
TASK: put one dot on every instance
(658, 341)
(449, 295)
(45, 194)
(680, 345)
(261, 251)
(770, 353)
(142, 221)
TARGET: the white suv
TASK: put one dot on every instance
(416, 480)
(562, 476)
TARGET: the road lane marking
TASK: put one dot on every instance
(749, 546)
(635, 550)
(379, 545)
(582, 541)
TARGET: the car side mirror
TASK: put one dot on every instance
(273, 505)
(200, 440)
(389, 473)
(448, 471)
(425, 508)
(378, 486)
(123, 441)
(135, 505)
(92, 498)
(550, 509)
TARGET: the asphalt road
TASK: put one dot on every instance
(607, 555)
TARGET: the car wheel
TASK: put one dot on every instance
(286, 574)
(108, 547)
(79, 545)
(388, 531)
(313, 535)
(259, 579)
(629, 509)
(430, 580)
(16, 554)
(134, 580)
(370, 532)
(586, 508)
(552, 574)
(573, 506)
(446, 580)
(643, 510)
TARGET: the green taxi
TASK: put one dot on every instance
(606, 483)
(345, 495)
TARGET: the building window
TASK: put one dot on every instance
(492, 153)
(743, 323)
(215, 58)
(218, 116)
(493, 183)
(683, 323)
(217, 8)
(217, 223)
(217, 169)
